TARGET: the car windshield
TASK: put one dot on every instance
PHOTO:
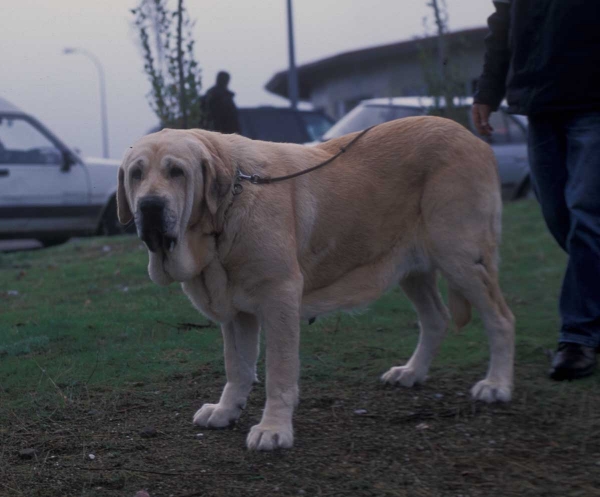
(23, 143)
(363, 116)
(316, 124)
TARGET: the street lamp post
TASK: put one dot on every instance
(98, 65)
(292, 74)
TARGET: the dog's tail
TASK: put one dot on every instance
(460, 308)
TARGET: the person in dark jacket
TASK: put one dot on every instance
(544, 57)
(219, 110)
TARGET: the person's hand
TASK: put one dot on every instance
(481, 117)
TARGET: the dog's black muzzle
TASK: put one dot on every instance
(153, 224)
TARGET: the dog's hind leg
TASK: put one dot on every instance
(240, 341)
(477, 281)
(422, 290)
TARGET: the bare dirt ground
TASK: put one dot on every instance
(353, 438)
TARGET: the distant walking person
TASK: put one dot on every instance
(220, 112)
(544, 56)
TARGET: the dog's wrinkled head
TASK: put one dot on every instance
(173, 184)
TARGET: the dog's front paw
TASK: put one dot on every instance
(490, 391)
(403, 375)
(216, 416)
(270, 437)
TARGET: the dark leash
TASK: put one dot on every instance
(255, 179)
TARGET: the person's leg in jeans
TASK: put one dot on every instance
(564, 158)
(580, 296)
(548, 164)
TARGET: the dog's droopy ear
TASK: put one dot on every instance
(217, 181)
(123, 210)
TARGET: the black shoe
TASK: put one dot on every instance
(573, 361)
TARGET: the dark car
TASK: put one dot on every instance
(283, 124)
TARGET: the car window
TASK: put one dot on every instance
(460, 114)
(506, 129)
(517, 131)
(22, 143)
(363, 116)
(316, 124)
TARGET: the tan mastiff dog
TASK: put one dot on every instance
(410, 199)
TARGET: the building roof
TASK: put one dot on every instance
(6, 106)
(311, 73)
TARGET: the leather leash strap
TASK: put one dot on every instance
(255, 179)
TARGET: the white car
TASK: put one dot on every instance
(509, 139)
(47, 191)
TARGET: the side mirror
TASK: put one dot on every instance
(68, 161)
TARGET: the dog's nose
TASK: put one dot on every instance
(152, 209)
(150, 223)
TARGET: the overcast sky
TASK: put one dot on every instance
(246, 37)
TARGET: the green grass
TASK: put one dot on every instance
(86, 315)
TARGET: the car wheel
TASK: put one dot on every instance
(51, 242)
(110, 225)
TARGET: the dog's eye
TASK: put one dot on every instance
(175, 172)
(136, 173)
